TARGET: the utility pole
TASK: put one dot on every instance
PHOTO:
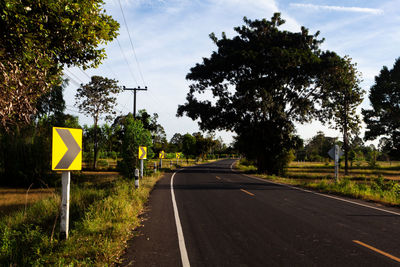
(134, 97)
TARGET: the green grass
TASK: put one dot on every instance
(102, 216)
(367, 187)
(104, 209)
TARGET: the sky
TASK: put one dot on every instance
(165, 38)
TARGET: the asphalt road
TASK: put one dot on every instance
(229, 219)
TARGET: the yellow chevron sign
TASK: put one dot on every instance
(161, 155)
(142, 152)
(66, 149)
(178, 155)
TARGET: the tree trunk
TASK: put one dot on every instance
(95, 148)
(346, 146)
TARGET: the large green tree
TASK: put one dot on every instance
(342, 97)
(384, 117)
(97, 99)
(37, 40)
(134, 135)
(262, 80)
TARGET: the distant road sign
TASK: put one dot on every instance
(178, 155)
(331, 152)
(142, 152)
(66, 149)
(161, 155)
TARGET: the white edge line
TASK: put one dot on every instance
(181, 239)
(315, 193)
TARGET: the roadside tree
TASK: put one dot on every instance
(262, 80)
(340, 83)
(40, 38)
(384, 117)
(134, 135)
(97, 99)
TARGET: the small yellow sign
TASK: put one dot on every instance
(178, 155)
(142, 152)
(161, 155)
(66, 149)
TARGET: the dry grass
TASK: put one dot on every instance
(12, 199)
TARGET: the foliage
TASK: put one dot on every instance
(188, 144)
(384, 117)
(264, 79)
(25, 154)
(159, 138)
(38, 40)
(134, 135)
(342, 97)
(175, 144)
(96, 99)
(21, 84)
(318, 146)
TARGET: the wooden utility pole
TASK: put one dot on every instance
(134, 96)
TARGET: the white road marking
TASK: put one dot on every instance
(181, 239)
(315, 193)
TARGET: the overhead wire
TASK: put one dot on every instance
(127, 62)
(71, 73)
(130, 39)
(85, 73)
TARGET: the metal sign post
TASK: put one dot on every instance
(141, 168)
(66, 183)
(335, 153)
(155, 167)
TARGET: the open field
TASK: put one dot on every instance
(318, 170)
(12, 199)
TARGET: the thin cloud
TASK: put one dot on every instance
(373, 11)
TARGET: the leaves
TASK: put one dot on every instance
(39, 38)
(384, 117)
(263, 80)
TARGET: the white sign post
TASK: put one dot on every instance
(335, 153)
(141, 168)
(66, 183)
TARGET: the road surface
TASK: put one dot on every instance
(225, 218)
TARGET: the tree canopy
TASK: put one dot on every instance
(39, 38)
(384, 117)
(262, 80)
(343, 95)
(96, 99)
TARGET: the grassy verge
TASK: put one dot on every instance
(369, 188)
(102, 216)
(104, 209)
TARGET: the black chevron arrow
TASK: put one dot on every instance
(143, 153)
(72, 152)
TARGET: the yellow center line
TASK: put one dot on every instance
(247, 192)
(218, 178)
(377, 250)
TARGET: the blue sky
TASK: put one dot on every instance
(171, 36)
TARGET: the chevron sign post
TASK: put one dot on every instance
(142, 155)
(66, 156)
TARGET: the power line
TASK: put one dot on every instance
(72, 80)
(130, 39)
(85, 73)
(126, 60)
(74, 75)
